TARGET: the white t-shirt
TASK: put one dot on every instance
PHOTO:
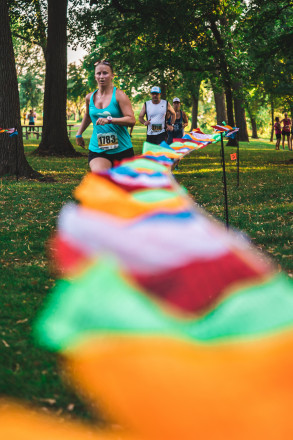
(156, 115)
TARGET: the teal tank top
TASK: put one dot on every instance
(109, 138)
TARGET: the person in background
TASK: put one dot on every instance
(286, 130)
(31, 116)
(110, 111)
(155, 112)
(180, 123)
(24, 117)
(278, 131)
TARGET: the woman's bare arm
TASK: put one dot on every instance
(86, 120)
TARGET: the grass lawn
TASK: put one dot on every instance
(261, 207)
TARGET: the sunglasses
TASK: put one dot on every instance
(103, 62)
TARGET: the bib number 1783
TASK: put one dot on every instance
(108, 141)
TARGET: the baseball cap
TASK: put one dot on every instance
(155, 89)
(176, 100)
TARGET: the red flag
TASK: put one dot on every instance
(233, 156)
(220, 128)
(197, 130)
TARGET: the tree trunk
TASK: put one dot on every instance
(194, 111)
(254, 128)
(253, 122)
(230, 115)
(55, 140)
(229, 103)
(223, 67)
(291, 109)
(163, 89)
(273, 120)
(12, 158)
(195, 98)
(220, 107)
(225, 72)
(240, 119)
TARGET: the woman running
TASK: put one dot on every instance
(180, 123)
(110, 111)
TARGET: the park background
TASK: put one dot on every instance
(225, 60)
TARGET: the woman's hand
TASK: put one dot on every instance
(170, 127)
(102, 121)
(80, 142)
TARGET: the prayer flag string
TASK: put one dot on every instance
(162, 317)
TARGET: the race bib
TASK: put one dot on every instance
(108, 141)
(178, 126)
(156, 127)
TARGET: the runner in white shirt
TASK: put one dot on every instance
(155, 111)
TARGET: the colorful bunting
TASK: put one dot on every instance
(227, 130)
(173, 325)
(222, 128)
(12, 131)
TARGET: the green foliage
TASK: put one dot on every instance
(30, 68)
(142, 42)
(77, 82)
(267, 31)
(28, 57)
(206, 109)
(77, 88)
(31, 90)
(30, 25)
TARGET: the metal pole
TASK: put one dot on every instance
(224, 181)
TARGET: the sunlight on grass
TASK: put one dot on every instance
(198, 170)
(62, 173)
(247, 169)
